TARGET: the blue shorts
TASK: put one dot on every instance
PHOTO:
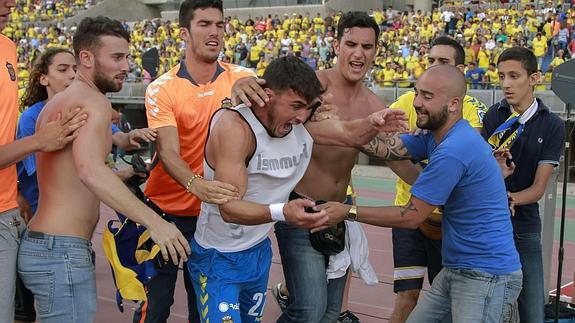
(230, 286)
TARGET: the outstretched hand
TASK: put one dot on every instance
(389, 120)
(142, 135)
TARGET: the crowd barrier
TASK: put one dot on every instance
(133, 93)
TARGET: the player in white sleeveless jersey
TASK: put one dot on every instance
(263, 151)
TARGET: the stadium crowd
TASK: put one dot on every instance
(484, 31)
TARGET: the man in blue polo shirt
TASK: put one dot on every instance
(523, 124)
(481, 278)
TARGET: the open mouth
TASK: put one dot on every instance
(357, 66)
(212, 43)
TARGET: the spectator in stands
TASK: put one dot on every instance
(474, 76)
(539, 45)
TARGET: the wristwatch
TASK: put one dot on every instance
(352, 214)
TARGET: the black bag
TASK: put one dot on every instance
(330, 241)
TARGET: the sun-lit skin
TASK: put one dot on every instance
(355, 51)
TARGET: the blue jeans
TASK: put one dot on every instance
(312, 298)
(59, 270)
(532, 298)
(11, 226)
(471, 296)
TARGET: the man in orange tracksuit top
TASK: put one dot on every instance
(179, 104)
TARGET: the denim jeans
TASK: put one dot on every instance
(312, 297)
(471, 296)
(11, 225)
(532, 298)
(59, 270)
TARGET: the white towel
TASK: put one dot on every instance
(356, 254)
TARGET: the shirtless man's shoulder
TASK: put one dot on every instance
(77, 95)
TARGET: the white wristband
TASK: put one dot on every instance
(277, 211)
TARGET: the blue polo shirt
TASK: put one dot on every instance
(27, 167)
(464, 178)
(541, 142)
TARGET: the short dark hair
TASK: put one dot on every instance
(521, 55)
(447, 41)
(187, 8)
(356, 19)
(87, 35)
(290, 72)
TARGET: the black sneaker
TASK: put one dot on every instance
(282, 300)
(348, 317)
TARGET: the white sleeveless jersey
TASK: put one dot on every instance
(276, 167)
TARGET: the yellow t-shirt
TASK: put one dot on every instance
(483, 59)
(388, 77)
(473, 112)
(539, 47)
(492, 77)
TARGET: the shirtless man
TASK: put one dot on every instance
(312, 297)
(55, 258)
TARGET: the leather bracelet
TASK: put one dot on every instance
(191, 180)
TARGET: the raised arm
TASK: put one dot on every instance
(359, 132)
(90, 149)
(230, 145)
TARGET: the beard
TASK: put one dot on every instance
(103, 83)
(435, 121)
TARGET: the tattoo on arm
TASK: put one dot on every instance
(386, 147)
(407, 208)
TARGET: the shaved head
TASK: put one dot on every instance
(448, 80)
(440, 92)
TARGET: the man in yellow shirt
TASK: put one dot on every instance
(388, 74)
(539, 46)
(414, 250)
(491, 77)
